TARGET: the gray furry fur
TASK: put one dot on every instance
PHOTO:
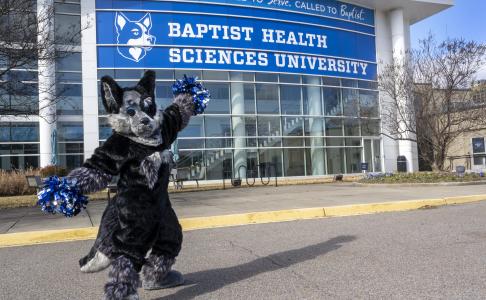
(186, 107)
(89, 180)
(150, 166)
(156, 268)
(123, 280)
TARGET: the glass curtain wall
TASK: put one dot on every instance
(69, 101)
(295, 125)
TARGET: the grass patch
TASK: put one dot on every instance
(421, 177)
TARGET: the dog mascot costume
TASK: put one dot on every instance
(140, 218)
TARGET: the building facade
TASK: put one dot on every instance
(293, 83)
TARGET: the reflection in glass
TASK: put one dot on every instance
(353, 160)
(267, 98)
(350, 102)
(290, 100)
(369, 106)
(294, 162)
(332, 101)
(335, 160)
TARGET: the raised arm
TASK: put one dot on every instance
(190, 99)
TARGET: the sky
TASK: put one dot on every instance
(467, 19)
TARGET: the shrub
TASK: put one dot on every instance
(13, 183)
(53, 170)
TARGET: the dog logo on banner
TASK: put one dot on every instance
(134, 37)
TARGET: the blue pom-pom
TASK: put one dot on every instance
(190, 85)
(61, 196)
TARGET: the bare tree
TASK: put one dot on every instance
(428, 96)
(27, 40)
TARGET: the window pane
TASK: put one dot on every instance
(332, 102)
(244, 126)
(353, 160)
(335, 160)
(273, 157)
(266, 77)
(190, 143)
(269, 126)
(72, 131)
(219, 98)
(314, 127)
(219, 164)
(478, 145)
(370, 127)
(70, 99)
(349, 83)
(351, 127)
(294, 162)
(334, 127)
(242, 76)
(290, 99)
(128, 74)
(69, 61)
(215, 75)
(479, 160)
(292, 126)
(330, 81)
(217, 126)
(194, 128)
(25, 132)
(369, 106)
(67, 29)
(350, 102)
(163, 94)
(267, 98)
(289, 78)
(315, 162)
(242, 98)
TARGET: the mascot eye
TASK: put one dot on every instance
(130, 112)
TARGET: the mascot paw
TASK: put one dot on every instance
(157, 274)
(97, 263)
(123, 281)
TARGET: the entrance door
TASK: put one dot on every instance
(372, 154)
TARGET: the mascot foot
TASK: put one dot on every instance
(97, 263)
(157, 273)
(123, 281)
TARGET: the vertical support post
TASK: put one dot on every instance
(89, 76)
(239, 132)
(316, 126)
(400, 41)
(47, 84)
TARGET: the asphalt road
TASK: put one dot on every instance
(425, 254)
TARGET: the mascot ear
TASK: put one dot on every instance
(147, 84)
(111, 95)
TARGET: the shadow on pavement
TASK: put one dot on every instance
(203, 282)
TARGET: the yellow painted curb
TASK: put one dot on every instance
(79, 234)
(47, 236)
(252, 218)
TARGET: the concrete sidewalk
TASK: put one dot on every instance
(242, 200)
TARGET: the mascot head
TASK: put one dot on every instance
(132, 110)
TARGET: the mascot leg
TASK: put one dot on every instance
(123, 280)
(156, 272)
(97, 259)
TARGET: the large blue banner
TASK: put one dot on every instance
(219, 36)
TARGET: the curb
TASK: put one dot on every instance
(410, 184)
(188, 224)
